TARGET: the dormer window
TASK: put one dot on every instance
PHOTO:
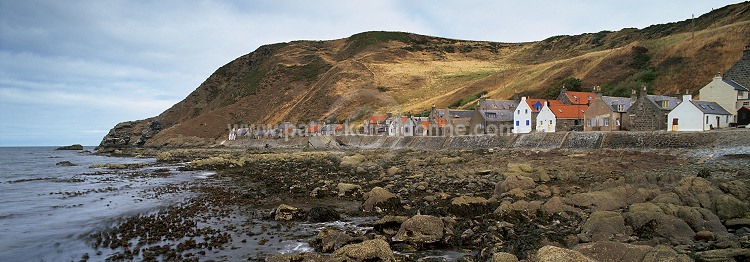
(620, 108)
(491, 115)
(665, 104)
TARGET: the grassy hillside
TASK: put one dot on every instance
(401, 72)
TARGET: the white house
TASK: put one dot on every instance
(402, 126)
(693, 115)
(522, 117)
(727, 93)
(546, 120)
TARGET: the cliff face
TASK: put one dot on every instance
(399, 72)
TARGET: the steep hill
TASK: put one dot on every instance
(372, 72)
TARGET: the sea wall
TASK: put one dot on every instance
(642, 140)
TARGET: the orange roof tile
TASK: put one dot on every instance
(569, 111)
(377, 119)
(581, 98)
(532, 101)
(441, 122)
(339, 127)
(425, 124)
(313, 128)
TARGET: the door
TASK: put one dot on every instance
(717, 122)
(675, 122)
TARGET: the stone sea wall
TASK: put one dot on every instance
(644, 140)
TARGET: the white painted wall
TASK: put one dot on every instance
(689, 117)
(546, 120)
(522, 118)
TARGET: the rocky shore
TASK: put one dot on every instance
(438, 205)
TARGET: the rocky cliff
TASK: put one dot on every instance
(372, 72)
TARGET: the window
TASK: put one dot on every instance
(606, 121)
(525, 111)
(707, 120)
(620, 108)
(517, 122)
(527, 122)
(746, 103)
(519, 111)
(591, 121)
(491, 115)
(665, 104)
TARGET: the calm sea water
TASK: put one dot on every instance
(47, 211)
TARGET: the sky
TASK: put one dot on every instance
(71, 70)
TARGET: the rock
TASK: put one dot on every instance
(468, 206)
(603, 226)
(389, 225)
(729, 254)
(346, 189)
(504, 257)
(312, 257)
(611, 199)
(323, 214)
(285, 213)
(556, 254)
(649, 220)
(71, 147)
(331, 239)
(352, 161)
(737, 188)
(421, 229)
(370, 250)
(728, 207)
(668, 198)
(697, 192)
(738, 222)
(514, 181)
(665, 253)
(392, 171)
(613, 251)
(65, 163)
(380, 198)
(556, 205)
(704, 235)
(697, 217)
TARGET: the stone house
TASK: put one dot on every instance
(694, 115)
(449, 122)
(560, 118)
(376, 125)
(575, 97)
(649, 112)
(493, 116)
(727, 93)
(606, 112)
(743, 116)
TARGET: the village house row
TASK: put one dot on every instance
(724, 102)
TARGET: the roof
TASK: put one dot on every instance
(314, 128)
(673, 101)
(746, 107)
(533, 101)
(425, 124)
(440, 122)
(376, 119)
(734, 85)
(453, 113)
(491, 104)
(580, 98)
(499, 115)
(739, 73)
(569, 111)
(612, 102)
(710, 107)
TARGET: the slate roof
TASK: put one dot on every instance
(734, 84)
(710, 107)
(673, 101)
(499, 115)
(740, 71)
(612, 102)
(454, 113)
(490, 104)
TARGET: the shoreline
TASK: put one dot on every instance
(488, 202)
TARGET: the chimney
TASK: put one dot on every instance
(718, 76)
(598, 91)
(686, 97)
(643, 92)
(389, 115)
(633, 95)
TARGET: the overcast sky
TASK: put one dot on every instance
(71, 70)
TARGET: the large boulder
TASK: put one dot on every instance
(504, 257)
(421, 229)
(557, 254)
(380, 199)
(323, 214)
(469, 206)
(346, 189)
(728, 207)
(698, 218)
(514, 181)
(330, 239)
(612, 199)
(603, 226)
(613, 251)
(737, 188)
(370, 250)
(662, 253)
(650, 221)
(311, 257)
(697, 192)
(729, 254)
(286, 212)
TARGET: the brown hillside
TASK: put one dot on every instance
(400, 72)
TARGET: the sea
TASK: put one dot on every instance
(47, 211)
